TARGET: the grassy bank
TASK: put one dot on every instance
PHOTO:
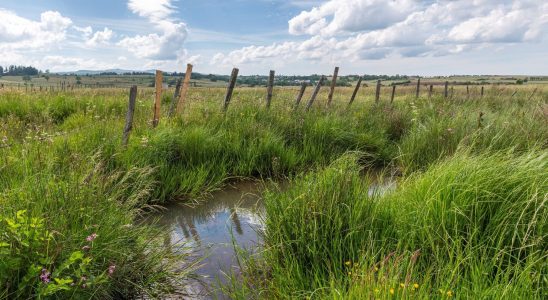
(66, 179)
(470, 227)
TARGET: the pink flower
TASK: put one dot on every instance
(111, 269)
(91, 237)
(44, 276)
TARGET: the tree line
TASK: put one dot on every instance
(19, 71)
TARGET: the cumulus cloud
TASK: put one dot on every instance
(100, 38)
(373, 29)
(20, 33)
(334, 17)
(167, 42)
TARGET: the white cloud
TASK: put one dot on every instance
(85, 31)
(167, 43)
(20, 33)
(350, 15)
(373, 29)
(64, 63)
(100, 38)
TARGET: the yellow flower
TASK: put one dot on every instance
(349, 273)
(376, 269)
(416, 285)
(348, 263)
(402, 285)
(377, 291)
(449, 294)
(391, 291)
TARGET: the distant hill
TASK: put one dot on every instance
(96, 72)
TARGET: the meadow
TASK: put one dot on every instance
(467, 219)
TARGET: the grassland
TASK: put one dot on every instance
(468, 218)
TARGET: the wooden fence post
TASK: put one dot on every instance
(355, 91)
(393, 93)
(157, 98)
(532, 94)
(129, 115)
(175, 99)
(378, 91)
(300, 94)
(446, 92)
(269, 88)
(467, 92)
(482, 91)
(333, 84)
(230, 88)
(418, 88)
(430, 91)
(184, 91)
(315, 93)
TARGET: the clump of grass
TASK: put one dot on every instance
(472, 226)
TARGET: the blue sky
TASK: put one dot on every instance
(435, 37)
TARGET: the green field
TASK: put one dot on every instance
(468, 218)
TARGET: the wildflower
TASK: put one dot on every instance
(84, 286)
(348, 263)
(349, 273)
(83, 278)
(415, 285)
(402, 285)
(376, 269)
(86, 248)
(111, 269)
(44, 276)
(377, 291)
(449, 294)
(91, 237)
(391, 291)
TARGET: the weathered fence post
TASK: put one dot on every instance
(393, 93)
(175, 97)
(333, 84)
(157, 98)
(532, 94)
(467, 92)
(184, 91)
(129, 115)
(418, 87)
(355, 91)
(269, 88)
(315, 93)
(230, 88)
(446, 92)
(481, 91)
(378, 91)
(430, 90)
(300, 94)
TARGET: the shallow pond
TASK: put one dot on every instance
(211, 228)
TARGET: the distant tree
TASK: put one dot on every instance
(26, 78)
(1, 71)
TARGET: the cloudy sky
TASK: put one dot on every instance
(432, 37)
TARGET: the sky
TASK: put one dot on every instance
(293, 37)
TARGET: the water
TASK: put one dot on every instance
(211, 227)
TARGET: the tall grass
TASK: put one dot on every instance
(62, 166)
(474, 226)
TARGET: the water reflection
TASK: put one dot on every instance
(210, 228)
